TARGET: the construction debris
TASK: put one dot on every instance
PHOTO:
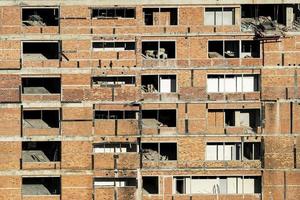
(34, 20)
(149, 88)
(263, 26)
(152, 155)
(266, 27)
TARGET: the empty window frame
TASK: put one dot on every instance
(159, 83)
(159, 49)
(116, 114)
(41, 119)
(105, 81)
(41, 151)
(150, 184)
(41, 85)
(221, 49)
(180, 185)
(117, 12)
(115, 148)
(159, 151)
(115, 182)
(163, 118)
(113, 46)
(250, 49)
(217, 185)
(242, 118)
(160, 16)
(41, 186)
(252, 151)
(219, 16)
(231, 49)
(39, 50)
(233, 83)
(40, 16)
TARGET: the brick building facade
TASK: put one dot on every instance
(160, 100)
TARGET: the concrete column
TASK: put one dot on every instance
(289, 16)
(237, 118)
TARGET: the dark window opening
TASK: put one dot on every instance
(180, 185)
(113, 80)
(40, 50)
(150, 83)
(41, 119)
(250, 49)
(115, 148)
(115, 114)
(159, 151)
(113, 13)
(150, 185)
(252, 151)
(159, 50)
(160, 16)
(257, 184)
(169, 150)
(159, 83)
(40, 16)
(162, 118)
(41, 186)
(230, 117)
(151, 152)
(150, 49)
(113, 46)
(232, 49)
(39, 85)
(151, 16)
(224, 49)
(215, 49)
(244, 118)
(41, 151)
(171, 13)
(166, 50)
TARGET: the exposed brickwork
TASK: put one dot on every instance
(104, 125)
